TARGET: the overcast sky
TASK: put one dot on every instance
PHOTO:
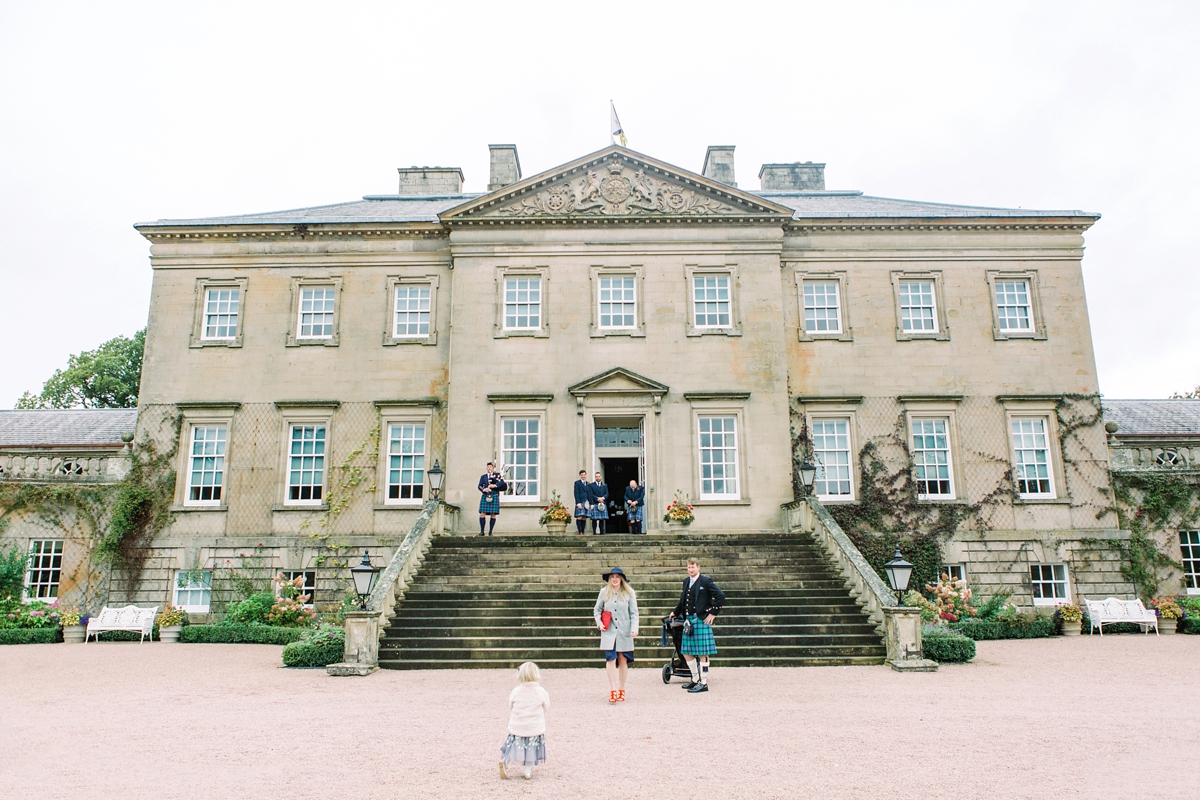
(114, 113)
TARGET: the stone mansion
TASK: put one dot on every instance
(622, 315)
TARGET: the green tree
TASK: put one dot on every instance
(106, 377)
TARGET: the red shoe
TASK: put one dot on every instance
(612, 696)
(620, 695)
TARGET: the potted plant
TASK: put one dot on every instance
(1071, 617)
(1169, 613)
(170, 623)
(555, 516)
(73, 627)
(679, 513)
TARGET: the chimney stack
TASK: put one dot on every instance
(718, 164)
(795, 177)
(505, 166)
(430, 180)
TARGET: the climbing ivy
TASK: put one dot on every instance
(1147, 502)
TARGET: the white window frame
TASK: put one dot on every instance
(1037, 329)
(693, 273)
(508, 471)
(319, 442)
(638, 328)
(403, 412)
(290, 574)
(190, 576)
(941, 330)
(299, 285)
(43, 562)
(845, 333)
(922, 418)
(189, 455)
(500, 329)
(393, 284)
(957, 572)
(307, 413)
(199, 337)
(1035, 583)
(831, 416)
(533, 306)
(1047, 432)
(709, 416)
(1189, 549)
(388, 455)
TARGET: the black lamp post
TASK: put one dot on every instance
(808, 473)
(898, 573)
(436, 476)
(364, 576)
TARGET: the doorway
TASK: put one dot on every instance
(618, 472)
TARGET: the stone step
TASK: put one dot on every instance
(533, 596)
(641, 663)
(502, 611)
(826, 626)
(592, 641)
(593, 656)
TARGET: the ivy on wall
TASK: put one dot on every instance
(1147, 502)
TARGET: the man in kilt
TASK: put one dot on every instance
(582, 505)
(598, 497)
(490, 487)
(699, 605)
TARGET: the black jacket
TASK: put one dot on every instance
(500, 486)
(701, 598)
(581, 493)
(596, 491)
(638, 495)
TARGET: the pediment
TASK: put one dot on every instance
(618, 380)
(612, 185)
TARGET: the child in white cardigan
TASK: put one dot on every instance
(528, 704)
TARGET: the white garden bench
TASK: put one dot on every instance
(1112, 610)
(129, 618)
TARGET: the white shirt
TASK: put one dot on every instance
(692, 582)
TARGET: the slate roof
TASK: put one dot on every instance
(382, 209)
(53, 427)
(1154, 417)
(818, 205)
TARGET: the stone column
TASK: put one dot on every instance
(361, 656)
(903, 639)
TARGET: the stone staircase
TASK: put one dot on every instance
(499, 601)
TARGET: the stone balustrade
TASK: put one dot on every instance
(64, 467)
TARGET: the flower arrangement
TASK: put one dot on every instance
(1166, 607)
(291, 613)
(680, 510)
(1069, 612)
(556, 511)
(952, 599)
(290, 588)
(170, 617)
(15, 613)
(69, 617)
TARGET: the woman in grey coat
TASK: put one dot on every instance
(617, 605)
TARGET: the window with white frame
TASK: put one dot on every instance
(523, 304)
(316, 312)
(618, 302)
(1014, 310)
(931, 458)
(955, 572)
(718, 458)
(221, 306)
(1189, 544)
(822, 307)
(520, 448)
(306, 464)
(831, 452)
(309, 587)
(193, 590)
(1031, 456)
(710, 299)
(1049, 582)
(206, 465)
(918, 308)
(406, 461)
(45, 569)
(411, 311)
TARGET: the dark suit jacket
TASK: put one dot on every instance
(495, 476)
(596, 491)
(581, 493)
(638, 495)
(705, 598)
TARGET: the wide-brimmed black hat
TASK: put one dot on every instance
(614, 571)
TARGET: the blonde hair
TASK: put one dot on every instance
(625, 591)
(694, 560)
(528, 673)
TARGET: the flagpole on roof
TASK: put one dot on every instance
(615, 126)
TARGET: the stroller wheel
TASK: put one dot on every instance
(666, 672)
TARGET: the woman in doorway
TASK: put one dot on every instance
(635, 498)
(598, 497)
(616, 616)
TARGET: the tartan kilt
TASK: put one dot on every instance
(701, 642)
(598, 511)
(633, 513)
(491, 506)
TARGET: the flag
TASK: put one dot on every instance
(617, 130)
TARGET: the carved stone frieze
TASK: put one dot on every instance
(616, 189)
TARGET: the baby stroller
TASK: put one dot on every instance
(672, 629)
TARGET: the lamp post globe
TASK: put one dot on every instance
(808, 473)
(436, 476)
(898, 572)
(364, 576)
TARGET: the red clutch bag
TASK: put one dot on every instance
(605, 619)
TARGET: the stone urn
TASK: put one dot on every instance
(556, 527)
(1166, 626)
(675, 526)
(74, 634)
(1072, 628)
(169, 633)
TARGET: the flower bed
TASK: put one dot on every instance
(946, 646)
(239, 634)
(320, 647)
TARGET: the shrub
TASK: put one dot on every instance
(995, 604)
(952, 599)
(12, 572)
(319, 647)
(1189, 625)
(1190, 605)
(253, 609)
(980, 630)
(30, 635)
(947, 647)
(1116, 627)
(929, 611)
(15, 614)
(291, 613)
(128, 636)
(239, 634)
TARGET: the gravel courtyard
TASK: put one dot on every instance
(1061, 718)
